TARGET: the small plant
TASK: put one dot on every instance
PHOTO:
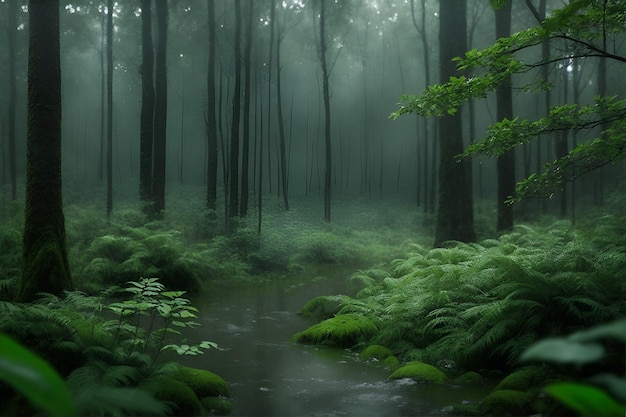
(137, 325)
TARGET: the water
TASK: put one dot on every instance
(270, 376)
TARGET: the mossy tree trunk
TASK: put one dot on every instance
(160, 109)
(455, 214)
(211, 123)
(45, 266)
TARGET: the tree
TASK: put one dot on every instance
(146, 133)
(109, 108)
(45, 265)
(233, 209)
(455, 218)
(584, 27)
(11, 35)
(245, 152)
(326, 94)
(506, 162)
(160, 108)
(211, 123)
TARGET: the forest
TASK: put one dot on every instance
(312, 208)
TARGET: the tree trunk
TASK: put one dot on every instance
(160, 108)
(11, 35)
(211, 123)
(245, 151)
(326, 92)
(455, 216)
(109, 108)
(506, 162)
(146, 134)
(281, 122)
(45, 265)
(233, 209)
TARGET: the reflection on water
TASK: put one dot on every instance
(270, 376)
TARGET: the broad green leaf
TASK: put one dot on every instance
(586, 399)
(34, 378)
(563, 351)
(613, 330)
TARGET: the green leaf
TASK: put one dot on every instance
(586, 399)
(563, 351)
(614, 330)
(35, 378)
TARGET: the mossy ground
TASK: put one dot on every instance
(346, 331)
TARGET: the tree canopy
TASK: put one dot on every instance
(585, 29)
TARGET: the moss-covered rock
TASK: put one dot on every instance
(323, 307)
(506, 403)
(391, 362)
(218, 406)
(202, 383)
(470, 378)
(420, 372)
(178, 395)
(344, 330)
(524, 379)
(377, 352)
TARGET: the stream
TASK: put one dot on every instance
(270, 376)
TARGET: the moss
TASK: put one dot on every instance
(378, 352)
(219, 406)
(344, 330)
(323, 307)
(181, 398)
(421, 372)
(506, 403)
(523, 380)
(203, 383)
(470, 378)
(391, 362)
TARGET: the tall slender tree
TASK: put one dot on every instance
(11, 39)
(45, 266)
(233, 209)
(109, 159)
(245, 151)
(211, 122)
(284, 185)
(455, 214)
(506, 162)
(323, 46)
(160, 108)
(146, 134)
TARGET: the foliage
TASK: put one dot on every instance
(506, 403)
(583, 27)
(34, 378)
(601, 395)
(479, 305)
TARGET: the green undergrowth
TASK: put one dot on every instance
(476, 306)
(114, 348)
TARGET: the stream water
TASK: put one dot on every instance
(270, 376)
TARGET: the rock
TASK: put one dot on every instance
(343, 330)
(202, 383)
(420, 372)
(179, 395)
(470, 378)
(506, 403)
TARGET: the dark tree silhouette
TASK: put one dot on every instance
(11, 35)
(146, 134)
(326, 94)
(233, 208)
(506, 162)
(455, 215)
(109, 108)
(245, 151)
(45, 265)
(211, 123)
(160, 108)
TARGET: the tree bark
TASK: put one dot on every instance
(455, 215)
(146, 135)
(45, 265)
(281, 123)
(506, 162)
(211, 123)
(160, 108)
